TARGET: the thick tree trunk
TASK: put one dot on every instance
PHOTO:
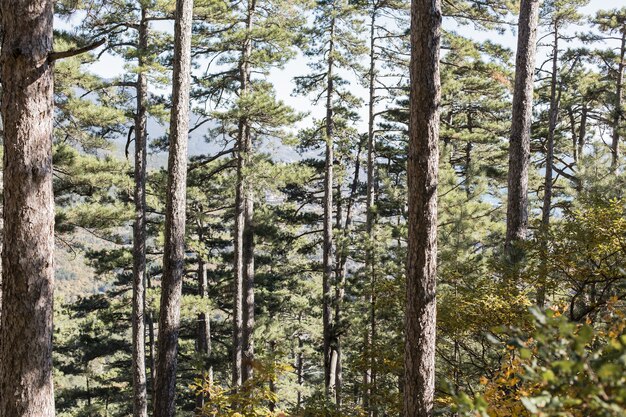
(422, 172)
(548, 178)
(327, 259)
(26, 388)
(519, 146)
(140, 396)
(175, 215)
(619, 103)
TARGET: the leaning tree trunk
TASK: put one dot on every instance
(327, 258)
(174, 252)
(423, 158)
(140, 395)
(28, 212)
(519, 146)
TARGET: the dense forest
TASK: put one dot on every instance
(360, 208)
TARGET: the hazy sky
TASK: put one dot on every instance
(111, 66)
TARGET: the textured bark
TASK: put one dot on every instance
(26, 388)
(341, 272)
(175, 215)
(619, 103)
(582, 132)
(151, 340)
(238, 270)
(369, 376)
(423, 158)
(519, 146)
(548, 177)
(244, 229)
(327, 245)
(140, 396)
(203, 338)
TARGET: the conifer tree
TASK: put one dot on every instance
(335, 41)
(28, 210)
(175, 214)
(519, 147)
(422, 171)
(612, 25)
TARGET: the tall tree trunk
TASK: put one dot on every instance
(28, 210)
(203, 341)
(582, 133)
(547, 195)
(151, 339)
(140, 396)
(341, 260)
(619, 103)
(369, 375)
(573, 132)
(175, 215)
(327, 259)
(519, 146)
(422, 175)
(244, 230)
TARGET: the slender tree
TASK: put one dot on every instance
(519, 145)
(612, 26)
(422, 173)
(140, 393)
(175, 215)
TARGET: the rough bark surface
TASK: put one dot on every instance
(140, 395)
(248, 229)
(26, 388)
(369, 376)
(519, 146)
(327, 245)
(175, 215)
(619, 103)
(243, 318)
(423, 158)
(548, 178)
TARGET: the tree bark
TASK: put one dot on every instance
(327, 258)
(140, 396)
(619, 103)
(369, 375)
(244, 229)
(175, 216)
(422, 176)
(547, 195)
(26, 388)
(519, 146)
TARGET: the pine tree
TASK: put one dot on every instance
(519, 147)
(174, 251)
(28, 211)
(335, 40)
(611, 24)
(423, 157)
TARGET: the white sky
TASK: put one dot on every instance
(112, 66)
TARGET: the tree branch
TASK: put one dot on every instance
(53, 56)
